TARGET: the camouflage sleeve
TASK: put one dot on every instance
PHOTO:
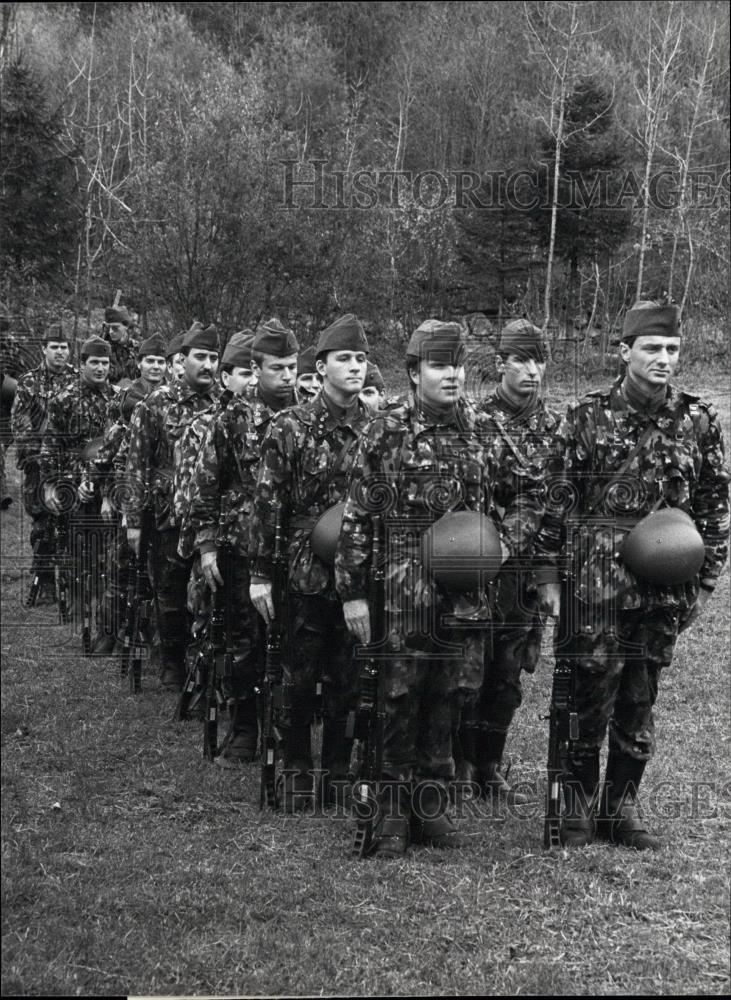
(54, 460)
(105, 462)
(566, 472)
(368, 494)
(139, 462)
(205, 504)
(273, 486)
(711, 502)
(27, 440)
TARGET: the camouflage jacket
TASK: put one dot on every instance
(30, 408)
(184, 478)
(77, 415)
(306, 458)
(591, 508)
(226, 472)
(111, 462)
(412, 470)
(156, 429)
(123, 361)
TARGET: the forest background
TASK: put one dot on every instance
(229, 161)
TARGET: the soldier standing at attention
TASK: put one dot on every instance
(224, 484)
(28, 421)
(308, 381)
(158, 423)
(118, 330)
(431, 456)
(373, 393)
(640, 446)
(77, 416)
(527, 431)
(306, 460)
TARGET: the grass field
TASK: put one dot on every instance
(132, 866)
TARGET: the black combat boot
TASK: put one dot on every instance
(335, 761)
(580, 782)
(391, 833)
(620, 818)
(489, 747)
(172, 669)
(430, 822)
(242, 738)
(296, 786)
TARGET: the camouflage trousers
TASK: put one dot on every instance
(424, 675)
(170, 582)
(618, 659)
(319, 652)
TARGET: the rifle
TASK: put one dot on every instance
(216, 654)
(60, 528)
(138, 613)
(273, 672)
(563, 730)
(366, 724)
(42, 546)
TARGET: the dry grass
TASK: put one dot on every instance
(132, 866)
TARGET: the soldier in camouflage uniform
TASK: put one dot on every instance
(111, 463)
(373, 393)
(76, 417)
(308, 381)
(158, 424)
(224, 485)
(175, 359)
(28, 420)
(433, 455)
(626, 450)
(118, 331)
(528, 430)
(306, 459)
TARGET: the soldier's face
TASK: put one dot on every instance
(343, 371)
(200, 367)
(520, 374)
(176, 367)
(95, 370)
(277, 376)
(371, 397)
(308, 385)
(56, 354)
(152, 368)
(118, 333)
(237, 379)
(651, 361)
(439, 383)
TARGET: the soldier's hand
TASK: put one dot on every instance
(696, 611)
(209, 565)
(86, 491)
(133, 539)
(261, 598)
(358, 619)
(549, 600)
(107, 510)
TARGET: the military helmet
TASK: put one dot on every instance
(324, 538)
(664, 548)
(462, 550)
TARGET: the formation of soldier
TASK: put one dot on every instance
(282, 482)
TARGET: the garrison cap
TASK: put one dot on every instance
(374, 377)
(437, 340)
(238, 350)
(200, 338)
(154, 345)
(306, 362)
(647, 319)
(54, 332)
(522, 338)
(95, 347)
(345, 334)
(274, 338)
(175, 346)
(112, 315)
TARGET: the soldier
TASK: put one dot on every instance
(76, 417)
(528, 430)
(373, 393)
(118, 331)
(224, 485)
(637, 446)
(433, 455)
(305, 463)
(158, 423)
(111, 464)
(175, 359)
(308, 381)
(28, 419)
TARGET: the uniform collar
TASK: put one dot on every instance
(461, 416)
